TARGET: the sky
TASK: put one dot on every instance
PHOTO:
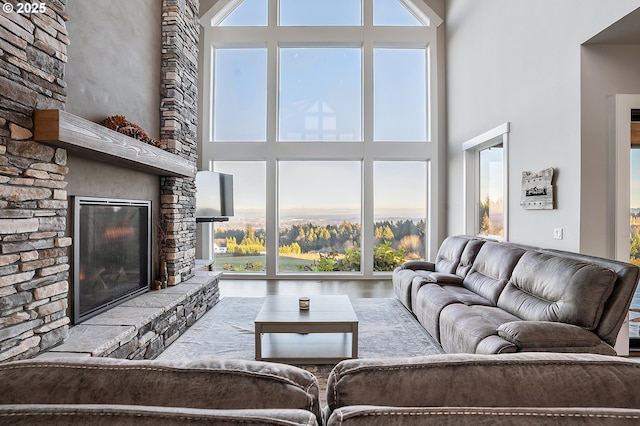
(399, 187)
(491, 174)
(320, 12)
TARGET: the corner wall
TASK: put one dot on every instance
(34, 264)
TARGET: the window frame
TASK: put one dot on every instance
(471, 165)
(272, 151)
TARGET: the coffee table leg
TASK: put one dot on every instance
(258, 342)
(354, 342)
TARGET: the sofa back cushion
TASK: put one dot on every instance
(492, 269)
(547, 287)
(449, 253)
(207, 383)
(533, 379)
(468, 256)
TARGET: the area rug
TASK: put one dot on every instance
(386, 329)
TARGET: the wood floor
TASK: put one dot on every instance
(261, 288)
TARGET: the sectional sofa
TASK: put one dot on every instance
(488, 297)
(446, 389)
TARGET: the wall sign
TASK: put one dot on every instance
(537, 190)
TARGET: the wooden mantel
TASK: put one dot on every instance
(88, 139)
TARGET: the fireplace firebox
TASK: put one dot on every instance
(112, 253)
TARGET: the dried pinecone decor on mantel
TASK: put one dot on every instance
(119, 123)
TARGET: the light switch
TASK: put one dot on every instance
(557, 233)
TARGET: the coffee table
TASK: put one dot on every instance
(319, 335)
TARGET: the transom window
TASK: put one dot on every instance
(332, 102)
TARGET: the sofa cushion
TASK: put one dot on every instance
(449, 253)
(464, 328)
(491, 269)
(546, 287)
(443, 278)
(432, 298)
(438, 278)
(402, 279)
(468, 256)
(454, 259)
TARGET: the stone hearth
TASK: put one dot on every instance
(143, 327)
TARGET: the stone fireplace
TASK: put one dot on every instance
(39, 176)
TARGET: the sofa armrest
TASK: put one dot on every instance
(549, 336)
(417, 265)
(443, 278)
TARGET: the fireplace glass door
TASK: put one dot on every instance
(111, 253)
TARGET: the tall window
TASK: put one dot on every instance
(485, 164)
(319, 224)
(491, 179)
(320, 94)
(399, 79)
(400, 212)
(240, 95)
(240, 245)
(331, 103)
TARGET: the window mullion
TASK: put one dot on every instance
(271, 149)
(367, 167)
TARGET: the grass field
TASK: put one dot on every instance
(287, 263)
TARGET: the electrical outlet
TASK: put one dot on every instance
(557, 233)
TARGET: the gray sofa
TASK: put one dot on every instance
(488, 297)
(100, 391)
(470, 389)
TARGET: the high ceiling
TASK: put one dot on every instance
(625, 31)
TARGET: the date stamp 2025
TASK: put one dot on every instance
(24, 8)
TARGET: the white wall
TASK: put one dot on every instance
(519, 61)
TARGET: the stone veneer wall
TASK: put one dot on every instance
(179, 115)
(34, 264)
(34, 260)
